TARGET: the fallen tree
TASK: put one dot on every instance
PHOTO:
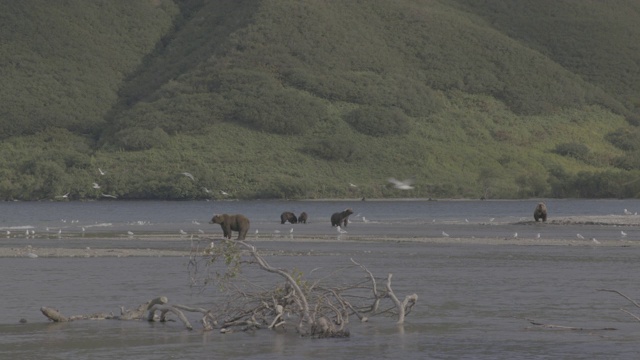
(310, 306)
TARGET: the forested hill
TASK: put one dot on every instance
(301, 98)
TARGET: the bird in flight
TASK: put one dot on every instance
(353, 185)
(188, 175)
(65, 196)
(101, 172)
(109, 196)
(402, 185)
(224, 193)
(96, 186)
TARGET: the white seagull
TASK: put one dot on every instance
(622, 233)
(188, 175)
(130, 233)
(580, 236)
(595, 241)
(63, 196)
(182, 232)
(627, 212)
(224, 193)
(515, 235)
(353, 185)
(101, 172)
(109, 196)
(402, 185)
(445, 234)
(96, 186)
(340, 230)
(538, 236)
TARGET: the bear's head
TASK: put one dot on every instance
(217, 219)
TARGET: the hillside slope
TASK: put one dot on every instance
(297, 99)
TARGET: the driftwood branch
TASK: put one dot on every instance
(635, 303)
(567, 328)
(312, 307)
(158, 304)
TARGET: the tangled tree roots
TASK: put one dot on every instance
(312, 307)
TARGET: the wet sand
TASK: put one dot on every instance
(613, 221)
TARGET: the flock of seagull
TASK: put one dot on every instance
(97, 186)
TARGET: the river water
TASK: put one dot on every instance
(474, 300)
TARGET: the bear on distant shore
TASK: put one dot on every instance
(540, 213)
(302, 219)
(230, 223)
(288, 216)
(341, 218)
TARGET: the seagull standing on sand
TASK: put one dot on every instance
(627, 212)
(445, 234)
(402, 185)
(622, 233)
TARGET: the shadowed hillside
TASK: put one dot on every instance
(297, 99)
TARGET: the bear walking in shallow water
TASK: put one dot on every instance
(230, 223)
(540, 213)
(302, 219)
(341, 218)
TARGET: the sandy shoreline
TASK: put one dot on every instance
(29, 251)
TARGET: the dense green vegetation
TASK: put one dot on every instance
(297, 99)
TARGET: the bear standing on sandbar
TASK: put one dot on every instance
(302, 219)
(230, 223)
(288, 216)
(341, 218)
(540, 212)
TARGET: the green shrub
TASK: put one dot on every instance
(574, 150)
(378, 121)
(625, 139)
(333, 148)
(136, 139)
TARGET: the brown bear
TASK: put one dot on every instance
(540, 212)
(288, 216)
(302, 219)
(341, 218)
(230, 223)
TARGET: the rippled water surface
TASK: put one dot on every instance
(474, 300)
